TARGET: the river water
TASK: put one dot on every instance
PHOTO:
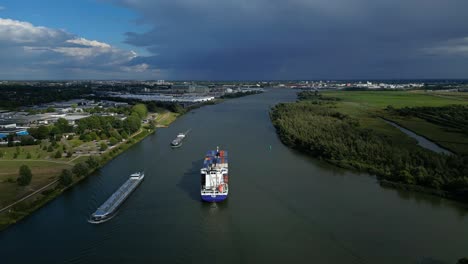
(283, 207)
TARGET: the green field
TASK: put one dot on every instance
(166, 118)
(43, 173)
(368, 106)
(398, 99)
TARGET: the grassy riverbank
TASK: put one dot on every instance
(345, 128)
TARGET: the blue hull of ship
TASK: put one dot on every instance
(215, 199)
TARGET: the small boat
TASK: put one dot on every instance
(177, 142)
(107, 210)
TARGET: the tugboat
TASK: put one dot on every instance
(107, 210)
(214, 176)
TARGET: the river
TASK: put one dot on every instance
(284, 207)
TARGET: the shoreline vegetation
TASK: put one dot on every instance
(346, 130)
(58, 174)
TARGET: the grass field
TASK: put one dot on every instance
(43, 173)
(398, 99)
(368, 106)
(166, 118)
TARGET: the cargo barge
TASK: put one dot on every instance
(177, 142)
(214, 176)
(107, 210)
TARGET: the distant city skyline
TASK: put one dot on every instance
(233, 40)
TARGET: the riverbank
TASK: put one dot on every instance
(350, 134)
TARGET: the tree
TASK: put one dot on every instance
(50, 148)
(103, 136)
(65, 178)
(152, 124)
(63, 125)
(93, 162)
(27, 140)
(28, 156)
(113, 141)
(93, 136)
(140, 110)
(132, 124)
(25, 175)
(103, 146)
(114, 133)
(50, 109)
(55, 130)
(80, 169)
(58, 154)
(42, 132)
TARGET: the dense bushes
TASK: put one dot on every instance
(321, 131)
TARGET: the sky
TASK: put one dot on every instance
(233, 40)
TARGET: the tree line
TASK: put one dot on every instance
(94, 127)
(16, 95)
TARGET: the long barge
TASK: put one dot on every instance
(107, 210)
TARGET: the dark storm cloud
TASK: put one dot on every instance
(259, 39)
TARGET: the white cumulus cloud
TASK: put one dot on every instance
(28, 46)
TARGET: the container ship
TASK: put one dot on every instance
(214, 176)
(107, 210)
